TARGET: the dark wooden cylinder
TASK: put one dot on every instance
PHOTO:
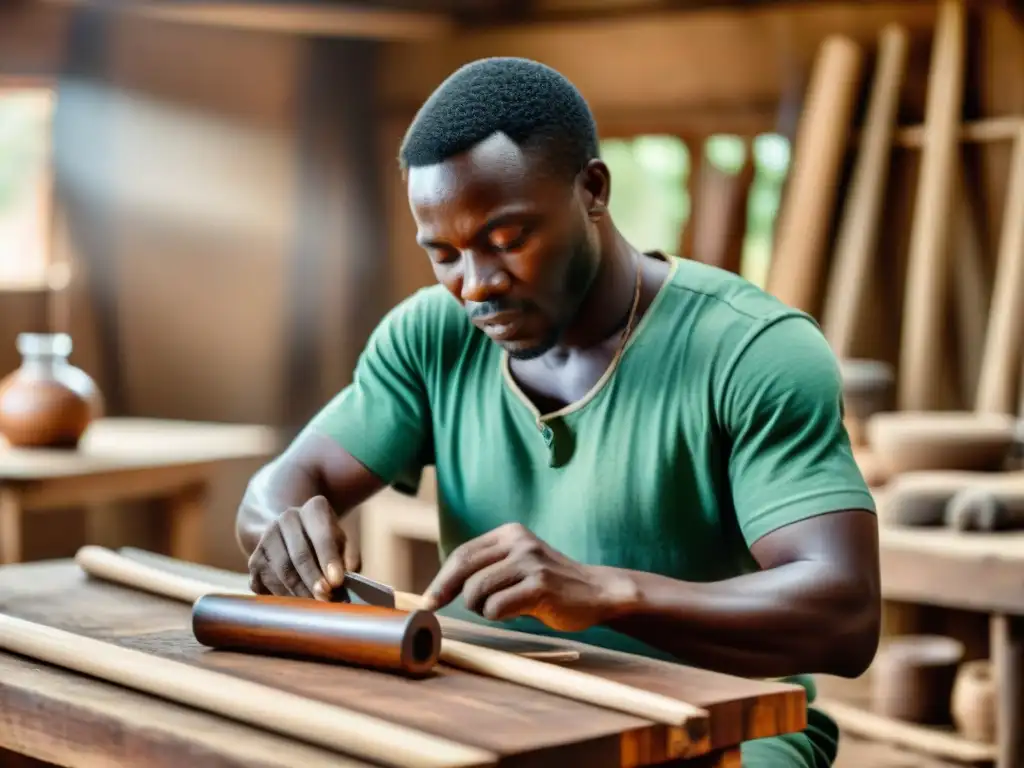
(362, 635)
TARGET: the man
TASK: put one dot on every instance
(639, 451)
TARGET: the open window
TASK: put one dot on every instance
(26, 183)
(652, 190)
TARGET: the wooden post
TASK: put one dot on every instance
(186, 512)
(10, 527)
(1007, 640)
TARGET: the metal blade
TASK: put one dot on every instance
(359, 589)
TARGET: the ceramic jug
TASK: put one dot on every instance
(47, 402)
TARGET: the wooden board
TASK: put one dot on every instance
(524, 726)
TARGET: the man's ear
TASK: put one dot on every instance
(596, 181)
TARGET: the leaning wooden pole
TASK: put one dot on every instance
(799, 257)
(925, 305)
(857, 240)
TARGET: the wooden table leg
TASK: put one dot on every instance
(186, 513)
(1007, 638)
(11, 536)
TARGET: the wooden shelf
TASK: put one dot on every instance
(986, 131)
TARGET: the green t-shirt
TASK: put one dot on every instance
(721, 423)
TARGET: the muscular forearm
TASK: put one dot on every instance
(312, 466)
(274, 488)
(796, 618)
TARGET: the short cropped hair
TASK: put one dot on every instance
(531, 103)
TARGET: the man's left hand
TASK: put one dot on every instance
(509, 572)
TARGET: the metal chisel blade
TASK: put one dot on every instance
(360, 589)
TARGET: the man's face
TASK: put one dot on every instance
(513, 245)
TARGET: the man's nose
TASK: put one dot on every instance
(482, 278)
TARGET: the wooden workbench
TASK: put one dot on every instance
(127, 459)
(64, 718)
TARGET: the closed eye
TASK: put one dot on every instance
(442, 255)
(509, 239)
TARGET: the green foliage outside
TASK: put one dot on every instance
(24, 130)
(651, 203)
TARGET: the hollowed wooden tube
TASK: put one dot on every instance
(363, 635)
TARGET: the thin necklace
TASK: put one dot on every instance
(541, 418)
(632, 315)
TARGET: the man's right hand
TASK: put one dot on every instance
(303, 553)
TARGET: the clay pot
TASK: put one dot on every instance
(913, 676)
(974, 702)
(47, 402)
(908, 441)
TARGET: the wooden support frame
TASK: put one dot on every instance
(999, 381)
(972, 132)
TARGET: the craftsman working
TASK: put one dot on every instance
(638, 451)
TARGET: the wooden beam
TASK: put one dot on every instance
(985, 131)
(681, 60)
(590, 10)
(287, 18)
